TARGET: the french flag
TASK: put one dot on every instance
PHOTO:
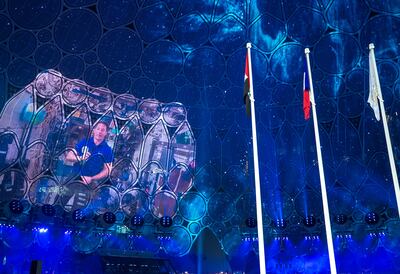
(246, 91)
(306, 93)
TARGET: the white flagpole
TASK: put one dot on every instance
(325, 204)
(260, 229)
(385, 127)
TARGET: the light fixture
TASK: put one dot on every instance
(48, 210)
(280, 223)
(166, 221)
(109, 218)
(78, 216)
(251, 222)
(340, 219)
(16, 207)
(371, 218)
(137, 220)
(309, 221)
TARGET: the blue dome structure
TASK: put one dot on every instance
(176, 188)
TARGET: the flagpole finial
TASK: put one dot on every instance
(371, 46)
(248, 45)
(306, 50)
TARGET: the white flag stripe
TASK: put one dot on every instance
(373, 88)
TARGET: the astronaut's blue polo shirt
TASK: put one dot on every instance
(99, 155)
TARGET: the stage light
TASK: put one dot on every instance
(340, 219)
(16, 207)
(372, 218)
(137, 220)
(309, 221)
(109, 218)
(48, 210)
(166, 221)
(78, 216)
(40, 229)
(43, 230)
(251, 222)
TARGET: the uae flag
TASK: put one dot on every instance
(306, 93)
(247, 91)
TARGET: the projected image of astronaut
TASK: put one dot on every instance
(94, 155)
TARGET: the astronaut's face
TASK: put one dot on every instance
(99, 132)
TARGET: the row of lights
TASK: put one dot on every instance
(308, 221)
(164, 237)
(103, 234)
(249, 238)
(135, 236)
(371, 218)
(377, 234)
(78, 215)
(41, 229)
(16, 207)
(344, 236)
(6, 226)
(281, 238)
(311, 238)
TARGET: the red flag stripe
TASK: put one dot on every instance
(306, 95)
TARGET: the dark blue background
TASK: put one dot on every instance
(193, 51)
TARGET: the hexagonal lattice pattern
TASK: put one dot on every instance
(130, 61)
